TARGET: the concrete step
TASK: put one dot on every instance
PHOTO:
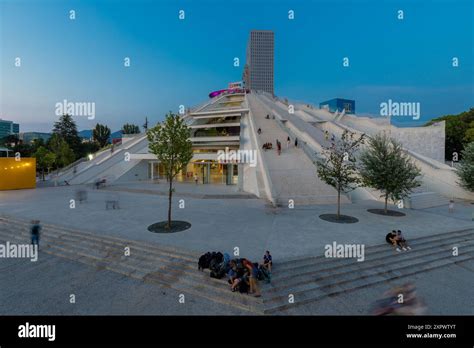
(166, 274)
(295, 264)
(145, 262)
(154, 266)
(361, 270)
(317, 293)
(426, 200)
(310, 199)
(105, 238)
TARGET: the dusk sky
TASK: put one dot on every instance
(177, 62)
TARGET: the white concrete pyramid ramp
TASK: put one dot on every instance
(292, 174)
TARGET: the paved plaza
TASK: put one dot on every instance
(221, 219)
(222, 224)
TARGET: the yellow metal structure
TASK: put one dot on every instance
(15, 175)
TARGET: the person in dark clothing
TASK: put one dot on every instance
(267, 261)
(35, 232)
(296, 142)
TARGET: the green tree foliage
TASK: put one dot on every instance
(45, 159)
(385, 167)
(10, 141)
(101, 134)
(459, 131)
(66, 128)
(130, 129)
(466, 168)
(169, 141)
(339, 167)
(469, 134)
(60, 148)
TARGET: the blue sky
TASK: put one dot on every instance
(177, 62)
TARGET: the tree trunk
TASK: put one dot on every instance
(43, 173)
(169, 202)
(338, 203)
(386, 199)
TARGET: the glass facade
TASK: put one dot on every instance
(206, 172)
(8, 128)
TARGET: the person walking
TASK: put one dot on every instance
(288, 142)
(196, 179)
(35, 232)
(296, 142)
(278, 147)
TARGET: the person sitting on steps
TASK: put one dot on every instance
(391, 238)
(401, 241)
(267, 261)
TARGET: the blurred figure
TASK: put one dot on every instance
(451, 206)
(112, 200)
(81, 196)
(35, 232)
(401, 300)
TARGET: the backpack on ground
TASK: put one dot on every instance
(264, 274)
(204, 261)
(243, 287)
(218, 274)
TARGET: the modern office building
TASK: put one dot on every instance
(8, 128)
(259, 70)
(338, 105)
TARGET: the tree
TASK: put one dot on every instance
(385, 167)
(458, 131)
(66, 128)
(339, 167)
(10, 140)
(101, 134)
(130, 129)
(45, 159)
(60, 148)
(466, 168)
(169, 141)
(469, 134)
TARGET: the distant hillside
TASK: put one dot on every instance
(87, 134)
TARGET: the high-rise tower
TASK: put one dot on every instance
(259, 69)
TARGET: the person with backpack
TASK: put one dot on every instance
(35, 232)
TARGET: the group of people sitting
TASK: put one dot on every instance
(397, 240)
(267, 146)
(243, 274)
